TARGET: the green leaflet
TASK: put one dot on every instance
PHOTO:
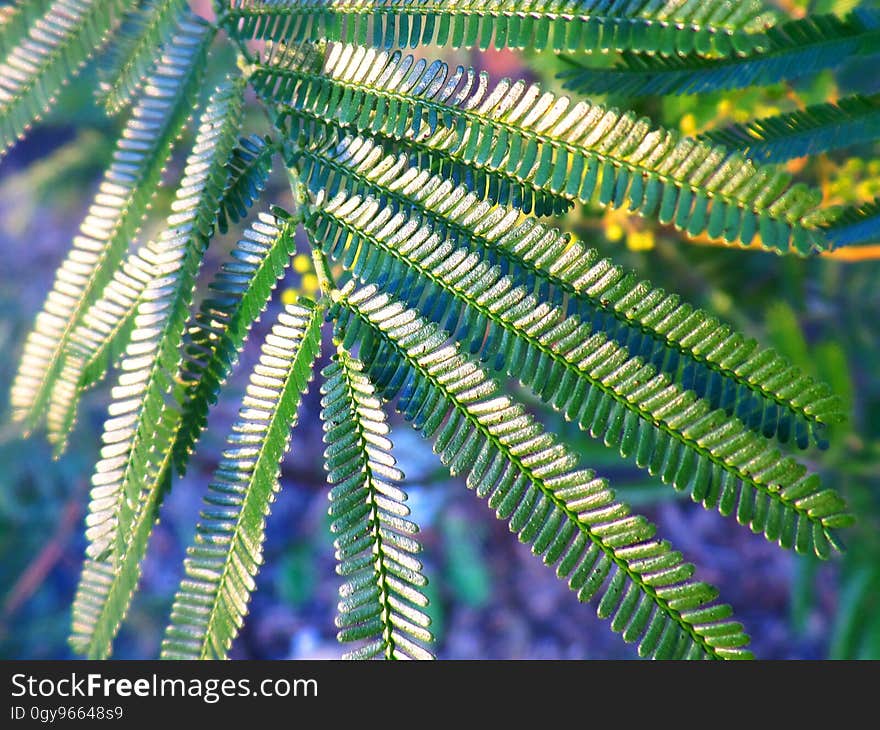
(211, 603)
(134, 469)
(581, 151)
(249, 170)
(793, 50)
(851, 121)
(97, 342)
(237, 296)
(627, 308)
(114, 218)
(666, 27)
(583, 374)
(381, 600)
(16, 21)
(855, 225)
(135, 49)
(34, 70)
(568, 515)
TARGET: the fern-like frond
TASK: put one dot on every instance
(96, 343)
(249, 169)
(851, 121)
(758, 385)
(855, 225)
(583, 152)
(102, 335)
(134, 468)
(793, 50)
(236, 298)
(585, 375)
(135, 49)
(114, 217)
(16, 22)
(57, 44)
(221, 565)
(568, 515)
(381, 599)
(668, 27)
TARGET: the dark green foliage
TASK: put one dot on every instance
(709, 26)
(581, 153)
(851, 121)
(418, 187)
(758, 385)
(381, 602)
(238, 295)
(567, 514)
(592, 380)
(793, 50)
(249, 169)
(855, 225)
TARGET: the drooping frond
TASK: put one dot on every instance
(100, 339)
(856, 225)
(792, 51)
(381, 600)
(667, 27)
(96, 343)
(758, 385)
(237, 296)
(134, 468)
(582, 152)
(135, 49)
(123, 199)
(851, 121)
(249, 169)
(221, 565)
(588, 377)
(498, 183)
(568, 515)
(56, 45)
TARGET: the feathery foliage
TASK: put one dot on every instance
(212, 600)
(418, 188)
(380, 601)
(582, 153)
(114, 218)
(759, 383)
(239, 293)
(570, 517)
(793, 50)
(668, 28)
(147, 28)
(851, 121)
(142, 418)
(36, 66)
(592, 380)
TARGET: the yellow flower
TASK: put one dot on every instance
(310, 284)
(688, 125)
(302, 263)
(640, 240)
(289, 296)
(614, 231)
